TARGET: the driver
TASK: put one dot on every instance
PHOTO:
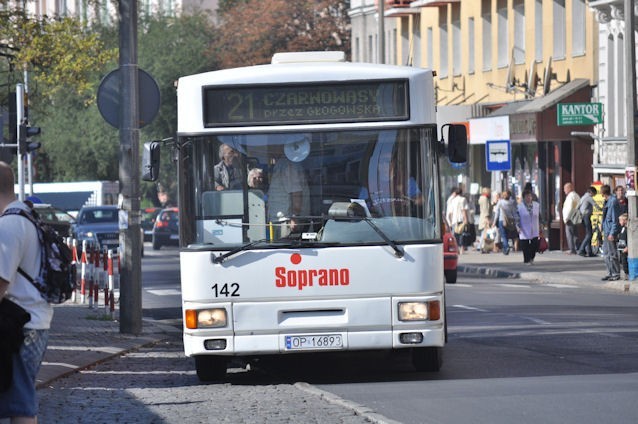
(288, 193)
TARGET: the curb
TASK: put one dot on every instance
(622, 286)
(360, 410)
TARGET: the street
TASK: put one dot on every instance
(518, 351)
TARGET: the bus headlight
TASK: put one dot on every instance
(419, 311)
(205, 318)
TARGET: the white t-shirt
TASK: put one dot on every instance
(287, 178)
(19, 247)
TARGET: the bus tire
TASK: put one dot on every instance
(210, 368)
(450, 276)
(427, 359)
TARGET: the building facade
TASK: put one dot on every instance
(504, 66)
(610, 138)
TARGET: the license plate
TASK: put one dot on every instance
(174, 237)
(314, 342)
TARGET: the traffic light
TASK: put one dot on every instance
(25, 145)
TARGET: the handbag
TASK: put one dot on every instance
(12, 320)
(542, 244)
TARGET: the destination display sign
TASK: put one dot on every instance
(306, 104)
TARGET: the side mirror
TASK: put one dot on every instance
(151, 161)
(456, 143)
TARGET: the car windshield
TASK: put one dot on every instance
(96, 216)
(324, 188)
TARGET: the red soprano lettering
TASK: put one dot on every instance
(310, 277)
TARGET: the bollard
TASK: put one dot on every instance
(108, 288)
(90, 272)
(74, 265)
(97, 273)
(83, 274)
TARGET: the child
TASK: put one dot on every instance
(622, 244)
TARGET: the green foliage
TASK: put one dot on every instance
(66, 62)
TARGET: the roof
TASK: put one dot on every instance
(540, 104)
(72, 201)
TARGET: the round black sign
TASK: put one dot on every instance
(108, 98)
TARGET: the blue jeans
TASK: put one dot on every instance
(20, 400)
(612, 259)
(504, 237)
(585, 246)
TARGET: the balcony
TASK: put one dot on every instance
(432, 3)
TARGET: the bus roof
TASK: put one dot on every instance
(190, 112)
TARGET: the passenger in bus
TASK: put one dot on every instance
(288, 195)
(256, 179)
(228, 171)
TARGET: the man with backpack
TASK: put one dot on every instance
(20, 247)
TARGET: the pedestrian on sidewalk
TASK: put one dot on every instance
(611, 229)
(485, 216)
(622, 199)
(528, 226)
(623, 248)
(571, 201)
(20, 250)
(587, 204)
(506, 219)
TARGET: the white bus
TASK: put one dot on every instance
(340, 247)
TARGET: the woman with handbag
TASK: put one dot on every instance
(506, 219)
(528, 226)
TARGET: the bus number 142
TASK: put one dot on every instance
(226, 290)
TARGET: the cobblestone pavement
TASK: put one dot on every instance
(158, 384)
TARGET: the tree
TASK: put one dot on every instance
(253, 30)
(59, 53)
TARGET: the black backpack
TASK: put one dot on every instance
(56, 281)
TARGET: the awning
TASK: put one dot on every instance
(543, 103)
(535, 120)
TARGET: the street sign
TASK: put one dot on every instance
(498, 156)
(579, 113)
(108, 98)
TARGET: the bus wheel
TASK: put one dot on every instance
(450, 276)
(210, 368)
(427, 359)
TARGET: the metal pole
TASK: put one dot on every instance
(129, 174)
(19, 118)
(632, 135)
(381, 47)
(26, 115)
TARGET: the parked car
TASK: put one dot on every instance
(450, 256)
(166, 228)
(60, 220)
(99, 225)
(148, 220)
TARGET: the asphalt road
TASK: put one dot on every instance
(518, 352)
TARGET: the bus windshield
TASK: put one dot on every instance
(324, 188)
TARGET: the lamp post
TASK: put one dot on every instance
(632, 135)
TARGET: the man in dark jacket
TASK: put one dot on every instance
(611, 229)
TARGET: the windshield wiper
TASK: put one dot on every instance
(221, 258)
(398, 252)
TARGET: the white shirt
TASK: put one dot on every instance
(571, 201)
(287, 178)
(19, 247)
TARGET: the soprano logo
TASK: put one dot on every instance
(300, 278)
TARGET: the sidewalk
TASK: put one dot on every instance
(81, 337)
(553, 267)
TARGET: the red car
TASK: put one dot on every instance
(450, 256)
